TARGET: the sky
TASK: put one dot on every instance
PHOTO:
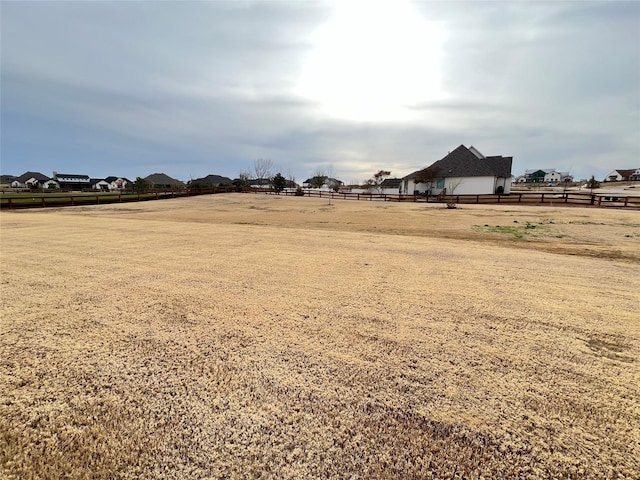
(130, 88)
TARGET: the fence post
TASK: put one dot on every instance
(626, 200)
(43, 203)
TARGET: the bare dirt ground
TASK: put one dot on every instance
(251, 336)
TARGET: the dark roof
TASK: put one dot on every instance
(391, 182)
(626, 172)
(212, 180)
(73, 175)
(462, 162)
(260, 181)
(113, 179)
(37, 175)
(162, 179)
(93, 181)
(7, 178)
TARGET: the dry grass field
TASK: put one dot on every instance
(251, 336)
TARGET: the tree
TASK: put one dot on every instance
(375, 182)
(319, 179)
(278, 183)
(592, 183)
(141, 185)
(426, 176)
(243, 180)
(263, 168)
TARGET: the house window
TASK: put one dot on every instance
(440, 183)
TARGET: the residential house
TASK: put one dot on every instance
(72, 181)
(534, 176)
(118, 183)
(549, 175)
(391, 186)
(211, 181)
(260, 183)
(330, 183)
(621, 175)
(30, 180)
(161, 180)
(635, 177)
(100, 184)
(464, 171)
(5, 180)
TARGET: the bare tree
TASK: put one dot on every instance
(291, 178)
(263, 168)
(453, 185)
(318, 179)
(244, 179)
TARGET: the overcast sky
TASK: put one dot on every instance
(130, 88)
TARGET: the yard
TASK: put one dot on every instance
(253, 336)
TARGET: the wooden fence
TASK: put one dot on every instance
(619, 200)
(527, 198)
(51, 199)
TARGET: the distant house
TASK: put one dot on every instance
(161, 180)
(211, 181)
(330, 183)
(30, 180)
(7, 179)
(260, 183)
(391, 185)
(622, 175)
(464, 171)
(72, 180)
(99, 184)
(118, 183)
(548, 175)
(534, 176)
(635, 176)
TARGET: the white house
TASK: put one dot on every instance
(552, 176)
(99, 184)
(620, 175)
(464, 171)
(30, 180)
(72, 180)
(118, 183)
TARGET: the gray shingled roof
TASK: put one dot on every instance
(162, 179)
(213, 180)
(461, 162)
(391, 183)
(37, 175)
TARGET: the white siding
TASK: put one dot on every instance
(461, 186)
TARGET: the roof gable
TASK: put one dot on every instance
(462, 162)
(27, 175)
(212, 179)
(162, 179)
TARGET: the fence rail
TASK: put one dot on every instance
(47, 199)
(619, 200)
(530, 198)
